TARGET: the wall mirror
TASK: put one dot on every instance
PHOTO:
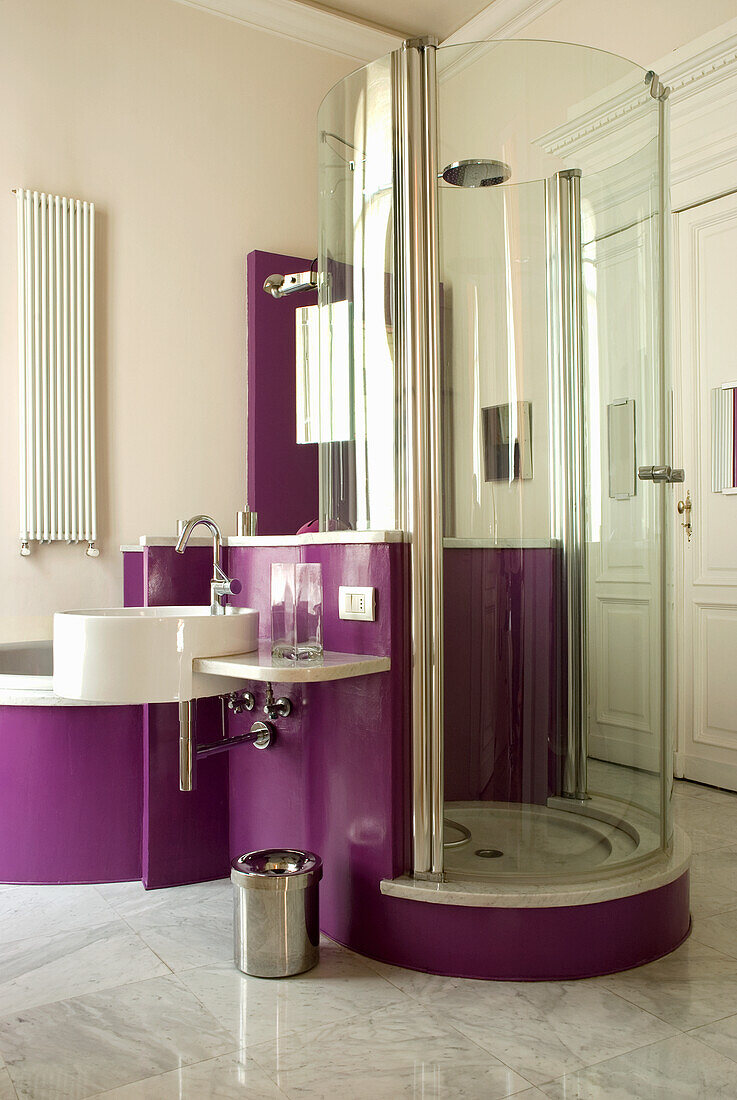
(621, 444)
(324, 405)
(723, 441)
(507, 436)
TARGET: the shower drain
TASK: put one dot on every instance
(489, 853)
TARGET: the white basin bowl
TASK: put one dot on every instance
(145, 654)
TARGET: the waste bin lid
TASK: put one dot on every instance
(276, 869)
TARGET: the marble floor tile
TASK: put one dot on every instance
(260, 1009)
(719, 867)
(43, 969)
(708, 900)
(713, 795)
(540, 1029)
(401, 1051)
(719, 932)
(230, 1077)
(190, 943)
(702, 840)
(27, 911)
(695, 985)
(91, 1044)
(721, 1036)
(144, 909)
(691, 960)
(7, 1092)
(675, 1069)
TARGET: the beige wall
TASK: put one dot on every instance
(642, 30)
(195, 137)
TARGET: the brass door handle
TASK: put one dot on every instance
(684, 509)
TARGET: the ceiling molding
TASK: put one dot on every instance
(304, 24)
(501, 19)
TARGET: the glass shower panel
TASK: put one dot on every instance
(356, 258)
(621, 256)
(551, 747)
(554, 726)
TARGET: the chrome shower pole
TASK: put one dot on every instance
(418, 343)
(566, 294)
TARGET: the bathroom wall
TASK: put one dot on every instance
(642, 32)
(195, 137)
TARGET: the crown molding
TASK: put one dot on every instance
(307, 25)
(695, 73)
(501, 19)
(702, 79)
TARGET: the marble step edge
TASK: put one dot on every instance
(658, 871)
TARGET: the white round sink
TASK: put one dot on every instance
(145, 654)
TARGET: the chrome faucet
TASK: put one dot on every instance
(221, 585)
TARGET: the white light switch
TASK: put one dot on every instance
(357, 603)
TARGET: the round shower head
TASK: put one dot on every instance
(476, 173)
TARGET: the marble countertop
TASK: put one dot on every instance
(317, 538)
(260, 665)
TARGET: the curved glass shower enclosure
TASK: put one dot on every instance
(492, 362)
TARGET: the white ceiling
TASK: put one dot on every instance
(408, 17)
(363, 30)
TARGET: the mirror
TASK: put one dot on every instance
(621, 449)
(324, 405)
(723, 449)
(507, 435)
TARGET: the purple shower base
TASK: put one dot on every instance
(527, 945)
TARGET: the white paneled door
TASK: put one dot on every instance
(625, 546)
(706, 358)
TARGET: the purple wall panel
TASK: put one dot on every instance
(71, 794)
(337, 778)
(171, 578)
(282, 474)
(185, 835)
(134, 588)
(251, 565)
(503, 684)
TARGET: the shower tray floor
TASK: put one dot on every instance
(540, 840)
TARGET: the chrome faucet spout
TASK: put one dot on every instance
(221, 585)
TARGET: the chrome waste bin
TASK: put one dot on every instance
(277, 911)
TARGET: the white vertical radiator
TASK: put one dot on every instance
(56, 342)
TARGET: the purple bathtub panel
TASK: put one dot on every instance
(526, 944)
(185, 834)
(502, 710)
(282, 474)
(71, 794)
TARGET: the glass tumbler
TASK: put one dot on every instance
(296, 612)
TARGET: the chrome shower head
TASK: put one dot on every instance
(476, 173)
